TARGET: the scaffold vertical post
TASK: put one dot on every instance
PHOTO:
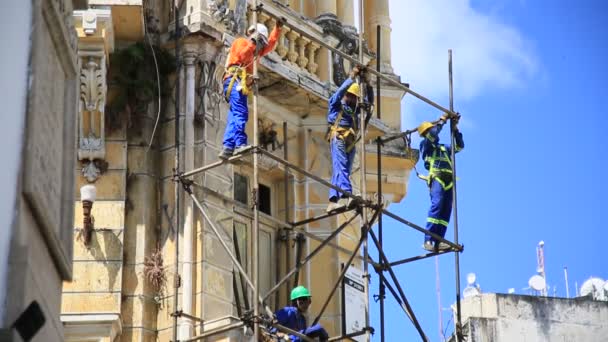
(176, 212)
(362, 171)
(286, 204)
(255, 195)
(458, 325)
(380, 199)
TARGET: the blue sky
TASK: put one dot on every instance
(530, 83)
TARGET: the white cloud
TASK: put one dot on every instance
(487, 53)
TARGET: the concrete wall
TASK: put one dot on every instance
(501, 318)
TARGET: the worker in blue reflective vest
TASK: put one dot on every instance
(343, 118)
(293, 317)
(437, 160)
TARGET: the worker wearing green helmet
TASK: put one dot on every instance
(294, 316)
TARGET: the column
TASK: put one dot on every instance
(325, 10)
(346, 12)
(186, 325)
(377, 13)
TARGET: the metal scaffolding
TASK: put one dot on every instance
(363, 206)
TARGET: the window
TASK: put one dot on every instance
(265, 199)
(241, 188)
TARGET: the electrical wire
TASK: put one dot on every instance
(157, 80)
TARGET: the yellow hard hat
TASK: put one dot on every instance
(425, 126)
(354, 89)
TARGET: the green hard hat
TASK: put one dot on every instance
(299, 292)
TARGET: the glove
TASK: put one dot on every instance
(282, 21)
(356, 70)
(444, 117)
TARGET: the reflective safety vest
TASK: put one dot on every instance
(440, 167)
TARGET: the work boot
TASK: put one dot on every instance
(351, 203)
(336, 206)
(241, 149)
(442, 246)
(428, 246)
(331, 207)
(226, 153)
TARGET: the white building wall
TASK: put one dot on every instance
(15, 27)
(501, 318)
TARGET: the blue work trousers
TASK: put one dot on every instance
(238, 114)
(440, 211)
(314, 331)
(342, 163)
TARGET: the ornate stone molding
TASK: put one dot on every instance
(95, 42)
(348, 43)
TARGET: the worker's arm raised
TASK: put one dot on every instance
(272, 41)
(334, 100)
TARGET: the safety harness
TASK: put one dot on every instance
(345, 133)
(236, 71)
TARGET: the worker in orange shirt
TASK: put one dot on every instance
(238, 78)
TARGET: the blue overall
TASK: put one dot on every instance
(437, 159)
(291, 318)
(342, 161)
(238, 114)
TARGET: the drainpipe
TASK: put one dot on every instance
(186, 327)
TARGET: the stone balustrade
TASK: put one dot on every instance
(294, 48)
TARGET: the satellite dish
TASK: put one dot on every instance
(537, 283)
(471, 277)
(594, 287)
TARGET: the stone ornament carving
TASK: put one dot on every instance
(92, 66)
(348, 43)
(93, 84)
(93, 89)
(234, 20)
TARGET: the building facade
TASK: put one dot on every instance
(505, 317)
(38, 135)
(124, 274)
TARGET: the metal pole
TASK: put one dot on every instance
(362, 177)
(310, 256)
(286, 204)
(380, 199)
(218, 163)
(354, 60)
(227, 249)
(340, 277)
(566, 278)
(286, 179)
(176, 280)
(408, 308)
(416, 258)
(256, 212)
(314, 177)
(299, 242)
(422, 230)
(216, 231)
(215, 331)
(237, 252)
(347, 336)
(458, 324)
